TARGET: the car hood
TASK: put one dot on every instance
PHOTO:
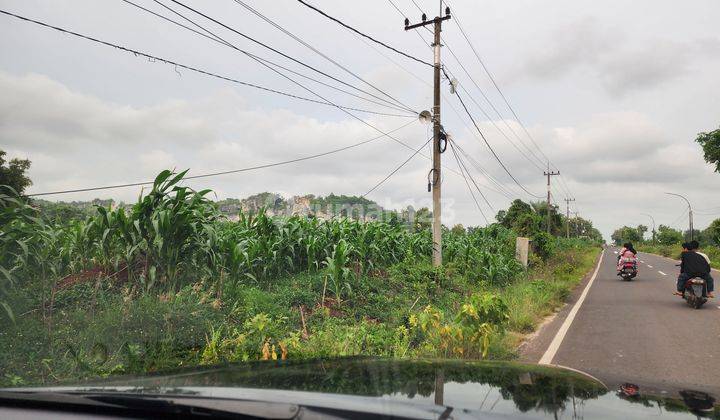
(412, 388)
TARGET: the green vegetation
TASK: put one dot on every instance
(674, 250)
(710, 143)
(12, 173)
(668, 240)
(170, 282)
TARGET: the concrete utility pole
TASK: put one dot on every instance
(690, 214)
(549, 173)
(653, 229)
(567, 217)
(437, 129)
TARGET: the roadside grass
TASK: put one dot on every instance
(543, 292)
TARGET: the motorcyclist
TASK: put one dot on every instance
(694, 264)
(627, 252)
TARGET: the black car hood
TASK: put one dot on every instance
(414, 387)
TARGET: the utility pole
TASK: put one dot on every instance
(549, 173)
(437, 128)
(567, 217)
(690, 213)
(653, 229)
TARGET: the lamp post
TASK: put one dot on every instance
(690, 214)
(653, 222)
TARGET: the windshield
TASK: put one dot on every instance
(187, 187)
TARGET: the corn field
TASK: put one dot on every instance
(175, 236)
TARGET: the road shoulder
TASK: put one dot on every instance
(535, 344)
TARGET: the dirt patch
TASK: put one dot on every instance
(93, 274)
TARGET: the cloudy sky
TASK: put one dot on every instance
(612, 92)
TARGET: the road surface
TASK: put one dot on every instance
(635, 331)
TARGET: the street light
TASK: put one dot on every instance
(692, 233)
(653, 221)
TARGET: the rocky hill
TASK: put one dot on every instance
(273, 205)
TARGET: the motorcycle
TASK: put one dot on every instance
(695, 293)
(628, 269)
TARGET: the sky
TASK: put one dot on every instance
(613, 93)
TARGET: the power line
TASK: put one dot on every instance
(492, 121)
(462, 167)
(282, 54)
(418, 7)
(397, 169)
(215, 38)
(191, 68)
(497, 87)
(292, 58)
(300, 84)
(259, 60)
(338, 21)
(502, 95)
(232, 171)
(501, 188)
(491, 149)
(405, 16)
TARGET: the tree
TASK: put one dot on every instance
(13, 173)
(626, 234)
(710, 143)
(668, 236)
(712, 233)
(557, 222)
(521, 218)
(458, 229)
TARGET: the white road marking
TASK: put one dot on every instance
(662, 273)
(552, 349)
(642, 262)
(650, 266)
(615, 252)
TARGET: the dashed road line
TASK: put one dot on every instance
(650, 266)
(642, 262)
(662, 273)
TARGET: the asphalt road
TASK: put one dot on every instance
(635, 331)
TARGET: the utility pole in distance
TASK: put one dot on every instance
(549, 173)
(567, 217)
(436, 178)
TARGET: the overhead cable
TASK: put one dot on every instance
(462, 171)
(155, 58)
(497, 158)
(275, 50)
(283, 54)
(325, 99)
(398, 168)
(213, 37)
(341, 23)
(232, 171)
